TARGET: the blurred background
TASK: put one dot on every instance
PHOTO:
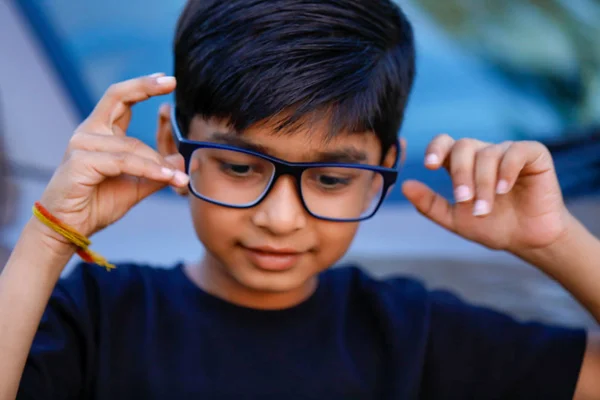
(494, 70)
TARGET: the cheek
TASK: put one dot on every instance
(373, 193)
(215, 225)
(334, 240)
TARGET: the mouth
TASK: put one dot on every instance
(272, 259)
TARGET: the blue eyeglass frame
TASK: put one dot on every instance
(187, 147)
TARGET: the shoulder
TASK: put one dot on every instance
(400, 295)
(124, 274)
(89, 283)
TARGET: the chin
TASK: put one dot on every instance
(272, 282)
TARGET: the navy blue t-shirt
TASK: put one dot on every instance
(146, 333)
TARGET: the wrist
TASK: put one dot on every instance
(572, 260)
(39, 254)
(567, 237)
(574, 242)
(49, 240)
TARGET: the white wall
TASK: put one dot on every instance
(38, 123)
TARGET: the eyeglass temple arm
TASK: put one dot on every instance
(175, 127)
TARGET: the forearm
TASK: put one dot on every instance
(574, 261)
(26, 284)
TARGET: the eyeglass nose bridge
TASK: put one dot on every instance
(282, 169)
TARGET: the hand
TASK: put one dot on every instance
(507, 195)
(105, 173)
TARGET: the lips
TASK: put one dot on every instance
(272, 259)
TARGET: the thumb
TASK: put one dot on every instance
(429, 203)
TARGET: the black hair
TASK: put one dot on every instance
(246, 61)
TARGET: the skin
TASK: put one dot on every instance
(104, 174)
(279, 221)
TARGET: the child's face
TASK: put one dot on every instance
(237, 240)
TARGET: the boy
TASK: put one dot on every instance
(283, 137)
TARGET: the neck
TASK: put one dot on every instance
(213, 278)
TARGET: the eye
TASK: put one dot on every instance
(240, 170)
(332, 182)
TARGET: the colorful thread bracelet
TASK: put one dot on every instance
(81, 242)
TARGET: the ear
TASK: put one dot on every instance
(164, 133)
(390, 156)
(388, 162)
(164, 139)
(402, 152)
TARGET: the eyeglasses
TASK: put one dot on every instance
(239, 178)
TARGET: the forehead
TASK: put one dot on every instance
(305, 142)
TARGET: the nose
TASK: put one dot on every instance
(281, 212)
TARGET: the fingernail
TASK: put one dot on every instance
(462, 193)
(502, 187)
(432, 159)
(165, 80)
(156, 75)
(167, 172)
(181, 178)
(482, 207)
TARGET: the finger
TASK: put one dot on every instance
(114, 144)
(176, 161)
(487, 162)
(102, 165)
(147, 187)
(437, 150)
(120, 97)
(460, 163)
(429, 203)
(528, 158)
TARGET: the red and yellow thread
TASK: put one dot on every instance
(81, 242)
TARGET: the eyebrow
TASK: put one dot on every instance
(348, 155)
